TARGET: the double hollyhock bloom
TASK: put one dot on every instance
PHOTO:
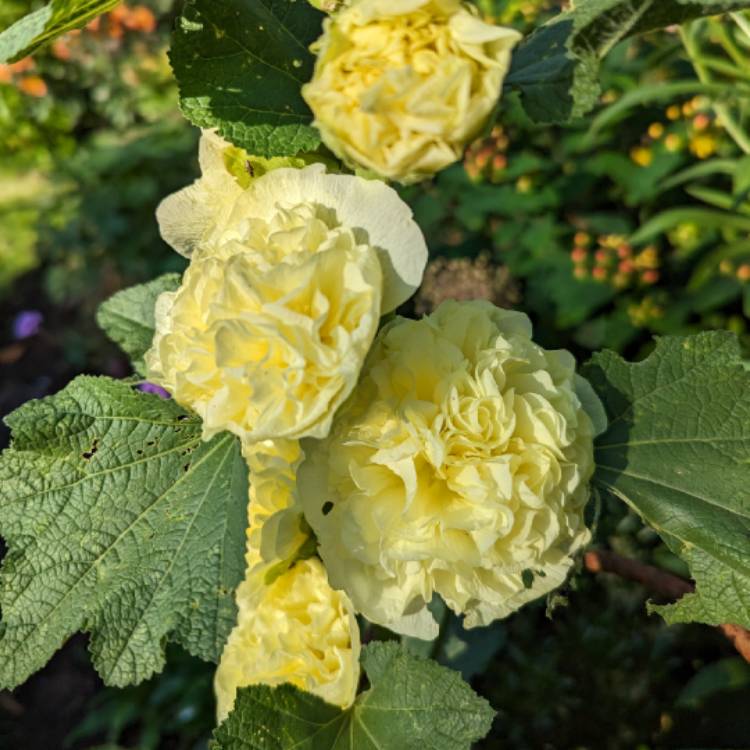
(402, 86)
(459, 467)
(287, 282)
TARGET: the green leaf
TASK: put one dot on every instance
(732, 673)
(556, 69)
(241, 64)
(665, 91)
(700, 170)
(50, 21)
(677, 451)
(120, 522)
(128, 317)
(705, 218)
(412, 704)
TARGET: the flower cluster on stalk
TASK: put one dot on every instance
(390, 460)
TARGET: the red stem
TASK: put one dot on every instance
(660, 582)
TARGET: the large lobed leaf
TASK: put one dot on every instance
(128, 317)
(50, 21)
(412, 704)
(119, 522)
(677, 450)
(240, 65)
(556, 69)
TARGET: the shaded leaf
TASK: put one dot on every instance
(241, 64)
(677, 450)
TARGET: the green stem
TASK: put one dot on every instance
(725, 68)
(726, 41)
(733, 128)
(742, 22)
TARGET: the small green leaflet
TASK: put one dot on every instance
(556, 69)
(240, 65)
(128, 317)
(120, 522)
(677, 451)
(50, 21)
(412, 704)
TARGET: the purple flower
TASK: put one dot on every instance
(157, 390)
(27, 323)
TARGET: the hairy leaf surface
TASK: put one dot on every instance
(241, 64)
(128, 317)
(556, 69)
(677, 450)
(120, 522)
(412, 704)
(47, 23)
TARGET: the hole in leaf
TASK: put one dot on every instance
(94, 448)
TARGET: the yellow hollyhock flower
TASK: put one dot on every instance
(460, 466)
(287, 282)
(401, 86)
(296, 629)
(291, 626)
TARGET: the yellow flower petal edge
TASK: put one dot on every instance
(216, 210)
(401, 86)
(291, 626)
(460, 466)
(270, 351)
(190, 216)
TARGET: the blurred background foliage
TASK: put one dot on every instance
(632, 222)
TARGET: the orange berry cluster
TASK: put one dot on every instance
(740, 271)
(124, 18)
(690, 123)
(113, 26)
(21, 75)
(486, 159)
(612, 260)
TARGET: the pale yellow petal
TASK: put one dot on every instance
(460, 467)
